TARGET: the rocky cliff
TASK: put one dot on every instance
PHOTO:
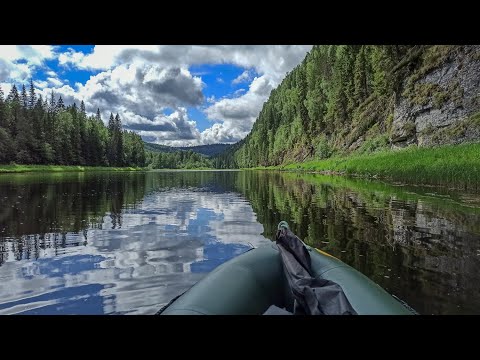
(440, 104)
(362, 98)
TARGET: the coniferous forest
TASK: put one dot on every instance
(339, 101)
(330, 99)
(181, 159)
(342, 99)
(34, 130)
(370, 153)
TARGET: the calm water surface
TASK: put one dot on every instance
(126, 243)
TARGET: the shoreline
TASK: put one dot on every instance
(449, 165)
(16, 169)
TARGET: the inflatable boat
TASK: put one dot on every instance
(253, 282)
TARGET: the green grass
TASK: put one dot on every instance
(186, 169)
(60, 168)
(443, 165)
(377, 191)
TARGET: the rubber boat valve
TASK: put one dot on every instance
(283, 224)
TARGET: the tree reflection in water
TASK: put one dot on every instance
(129, 242)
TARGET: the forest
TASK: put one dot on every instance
(207, 150)
(39, 131)
(34, 130)
(179, 159)
(338, 95)
(339, 101)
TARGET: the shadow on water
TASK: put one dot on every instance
(421, 244)
(117, 243)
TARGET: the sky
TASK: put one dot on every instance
(177, 95)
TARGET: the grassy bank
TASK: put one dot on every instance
(185, 169)
(60, 168)
(452, 165)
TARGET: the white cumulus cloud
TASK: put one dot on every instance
(18, 62)
(142, 82)
(243, 77)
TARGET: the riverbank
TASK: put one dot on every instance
(60, 168)
(184, 169)
(455, 165)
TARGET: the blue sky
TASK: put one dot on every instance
(173, 95)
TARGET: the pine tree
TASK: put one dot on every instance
(38, 127)
(82, 109)
(302, 85)
(53, 106)
(112, 143)
(13, 95)
(382, 64)
(360, 77)
(24, 137)
(75, 135)
(85, 151)
(50, 116)
(118, 123)
(24, 97)
(119, 141)
(60, 104)
(111, 124)
(34, 130)
(2, 110)
(32, 97)
(14, 100)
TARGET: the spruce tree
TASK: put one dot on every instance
(75, 134)
(119, 141)
(111, 124)
(53, 106)
(82, 109)
(34, 130)
(112, 144)
(14, 100)
(32, 98)
(2, 109)
(85, 151)
(60, 104)
(360, 77)
(24, 97)
(13, 95)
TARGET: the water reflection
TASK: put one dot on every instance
(117, 249)
(113, 243)
(421, 244)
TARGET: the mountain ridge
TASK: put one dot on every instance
(206, 150)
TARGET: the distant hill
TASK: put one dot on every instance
(158, 148)
(207, 150)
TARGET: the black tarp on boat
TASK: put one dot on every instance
(312, 296)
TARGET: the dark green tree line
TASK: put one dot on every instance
(36, 131)
(338, 94)
(178, 160)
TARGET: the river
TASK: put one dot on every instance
(128, 242)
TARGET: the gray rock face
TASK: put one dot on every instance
(356, 144)
(454, 98)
